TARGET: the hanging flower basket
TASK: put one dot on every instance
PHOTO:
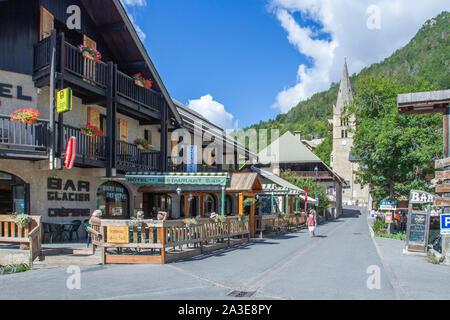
(91, 131)
(91, 51)
(140, 81)
(142, 144)
(27, 116)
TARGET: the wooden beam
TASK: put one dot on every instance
(442, 202)
(186, 206)
(252, 220)
(442, 175)
(443, 188)
(442, 163)
(202, 205)
(241, 204)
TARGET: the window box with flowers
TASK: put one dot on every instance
(27, 116)
(142, 144)
(91, 51)
(140, 81)
(91, 131)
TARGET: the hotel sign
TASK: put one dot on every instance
(64, 100)
(177, 180)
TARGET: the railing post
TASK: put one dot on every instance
(163, 242)
(109, 119)
(163, 141)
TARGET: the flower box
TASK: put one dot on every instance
(142, 144)
(91, 131)
(140, 81)
(91, 51)
(27, 116)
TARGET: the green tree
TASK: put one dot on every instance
(395, 151)
(309, 183)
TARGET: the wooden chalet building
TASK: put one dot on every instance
(36, 33)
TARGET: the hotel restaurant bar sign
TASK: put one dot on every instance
(202, 179)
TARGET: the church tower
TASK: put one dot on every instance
(342, 161)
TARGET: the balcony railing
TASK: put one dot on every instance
(24, 137)
(131, 158)
(173, 167)
(127, 88)
(94, 73)
(88, 148)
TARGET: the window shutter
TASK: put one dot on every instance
(46, 24)
(123, 130)
(94, 117)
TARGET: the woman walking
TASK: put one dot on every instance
(311, 222)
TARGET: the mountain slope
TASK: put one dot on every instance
(427, 55)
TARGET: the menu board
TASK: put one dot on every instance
(418, 227)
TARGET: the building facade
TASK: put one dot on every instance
(40, 54)
(342, 160)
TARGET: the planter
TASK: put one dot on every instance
(139, 83)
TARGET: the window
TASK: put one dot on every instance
(14, 194)
(210, 204)
(113, 200)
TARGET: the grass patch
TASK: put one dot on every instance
(14, 268)
(394, 235)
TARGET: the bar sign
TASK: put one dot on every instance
(64, 100)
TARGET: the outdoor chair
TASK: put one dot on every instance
(88, 234)
(48, 230)
(73, 229)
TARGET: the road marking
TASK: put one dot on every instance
(398, 290)
(265, 277)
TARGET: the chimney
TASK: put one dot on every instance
(299, 135)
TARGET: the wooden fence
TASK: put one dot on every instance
(278, 224)
(28, 236)
(147, 240)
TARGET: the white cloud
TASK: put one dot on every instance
(346, 23)
(213, 111)
(138, 3)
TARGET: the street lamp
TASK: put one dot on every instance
(316, 170)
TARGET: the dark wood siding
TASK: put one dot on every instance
(19, 25)
(59, 10)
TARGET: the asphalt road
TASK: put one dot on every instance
(333, 265)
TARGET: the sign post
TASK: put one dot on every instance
(418, 226)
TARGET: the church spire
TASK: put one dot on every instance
(345, 95)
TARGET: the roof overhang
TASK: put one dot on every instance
(423, 102)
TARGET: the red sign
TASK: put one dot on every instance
(306, 198)
(71, 153)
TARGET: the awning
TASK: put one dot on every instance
(178, 178)
(276, 180)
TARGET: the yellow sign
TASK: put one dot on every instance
(388, 217)
(118, 235)
(64, 100)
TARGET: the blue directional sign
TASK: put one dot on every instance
(445, 224)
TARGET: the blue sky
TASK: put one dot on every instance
(242, 61)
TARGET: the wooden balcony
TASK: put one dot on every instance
(90, 79)
(132, 159)
(25, 141)
(321, 175)
(173, 167)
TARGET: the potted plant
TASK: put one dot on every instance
(139, 80)
(249, 201)
(91, 51)
(27, 116)
(142, 144)
(20, 219)
(91, 130)
(222, 218)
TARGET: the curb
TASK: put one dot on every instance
(399, 293)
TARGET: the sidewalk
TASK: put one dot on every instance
(416, 277)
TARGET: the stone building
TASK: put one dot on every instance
(342, 160)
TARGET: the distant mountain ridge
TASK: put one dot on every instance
(427, 55)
